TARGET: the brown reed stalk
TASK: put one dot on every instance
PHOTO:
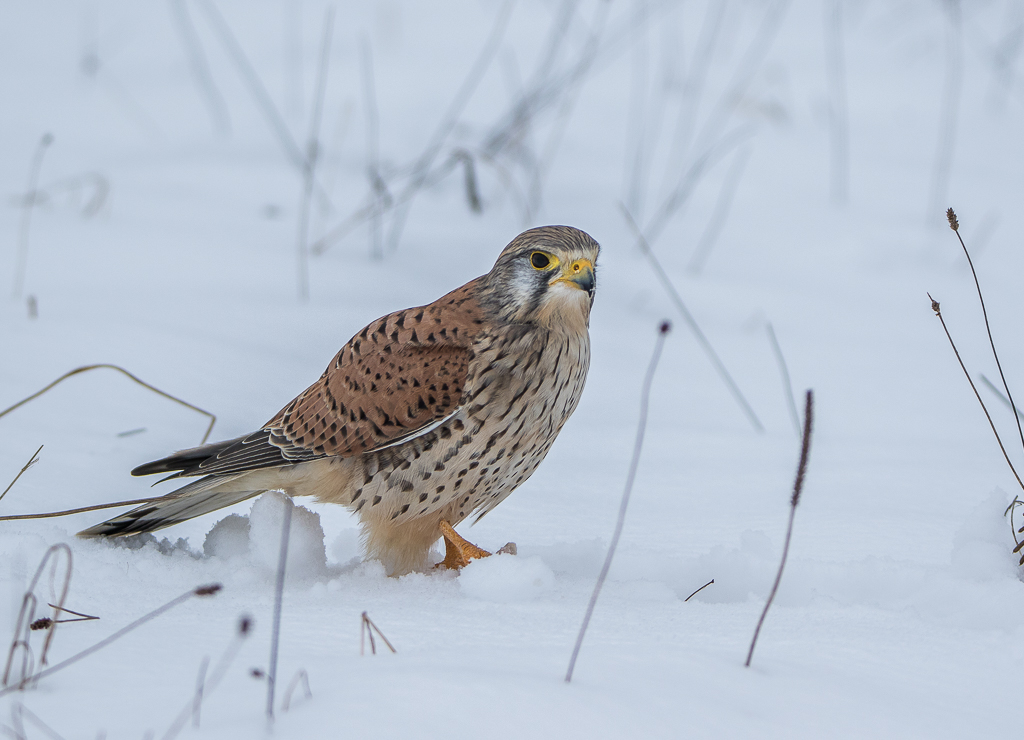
(954, 224)
(367, 628)
(130, 376)
(798, 486)
(31, 461)
(209, 590)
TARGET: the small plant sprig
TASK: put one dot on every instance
(367, 628)
(954, 224)
(798, 486)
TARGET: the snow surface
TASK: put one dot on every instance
(163, 239)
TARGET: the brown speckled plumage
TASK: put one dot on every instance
(430, 413)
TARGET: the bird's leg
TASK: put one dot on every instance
(457, 550)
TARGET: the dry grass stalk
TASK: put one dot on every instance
(26, 615)
(26, 214)
(698, 590)
(954, 224)
(205, 686)
(366, 629)
(45, 623)
(209, 590)
(275, 634)
(130, 376)
(798, 486)
(691, 322)
(81, 510)
(31, 461)
(787, 385)
(313, 153)
(645, 396)
(300, 678)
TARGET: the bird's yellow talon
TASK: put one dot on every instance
(457, 550)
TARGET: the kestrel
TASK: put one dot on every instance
(424, 418)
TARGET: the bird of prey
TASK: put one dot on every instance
(426, 417)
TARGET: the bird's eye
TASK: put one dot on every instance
(540, 260)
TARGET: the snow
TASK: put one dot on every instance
(161, 243)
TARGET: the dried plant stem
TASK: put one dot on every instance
(130, 376)
(839, 116)
(26, 214)
(201, 591)
(300, 678)
(798, 485)
(787, 385)
(372, 147)
(367, 628)
(1000, 395)
(31, 461)
(955, 225)
(313, 154)
(200, 67)
(698, 590)
(259, 93)
(421, 169)
(26, 615)
(82, 510)
(720, 213)
(691, 322)
(275, 634)
(938, 312)
(207, 682)
(645, 396)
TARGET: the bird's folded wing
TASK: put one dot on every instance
(401, 376)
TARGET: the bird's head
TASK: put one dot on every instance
(545, 276)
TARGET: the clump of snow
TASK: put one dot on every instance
(228, 539)
(980, 550)
(506, 578)
(259, 536)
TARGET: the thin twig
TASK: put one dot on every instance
(201, 591)
(935, 308)
(645, 395)
(26, 214)
(282, 564)
(372, 146)
(81, 510)
(698, 590)
(838, 110)
(955, 225)
(691, 322)
(259, 93)
(205, 686)
(38, 722)
(1009, 510)
(369, 627)
(798, 485)
(31, 461)
(130, 376)
(451, 116)
(720, 213)
(313, 153)
(300, 677)
(200, 67)
(1000, 395)
(26, 615)
(787, 385)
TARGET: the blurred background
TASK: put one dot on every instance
(215, 195)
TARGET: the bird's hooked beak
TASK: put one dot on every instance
(579, 273)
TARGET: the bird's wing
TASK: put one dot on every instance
(401, 375)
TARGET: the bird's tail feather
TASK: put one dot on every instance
(197, 498)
